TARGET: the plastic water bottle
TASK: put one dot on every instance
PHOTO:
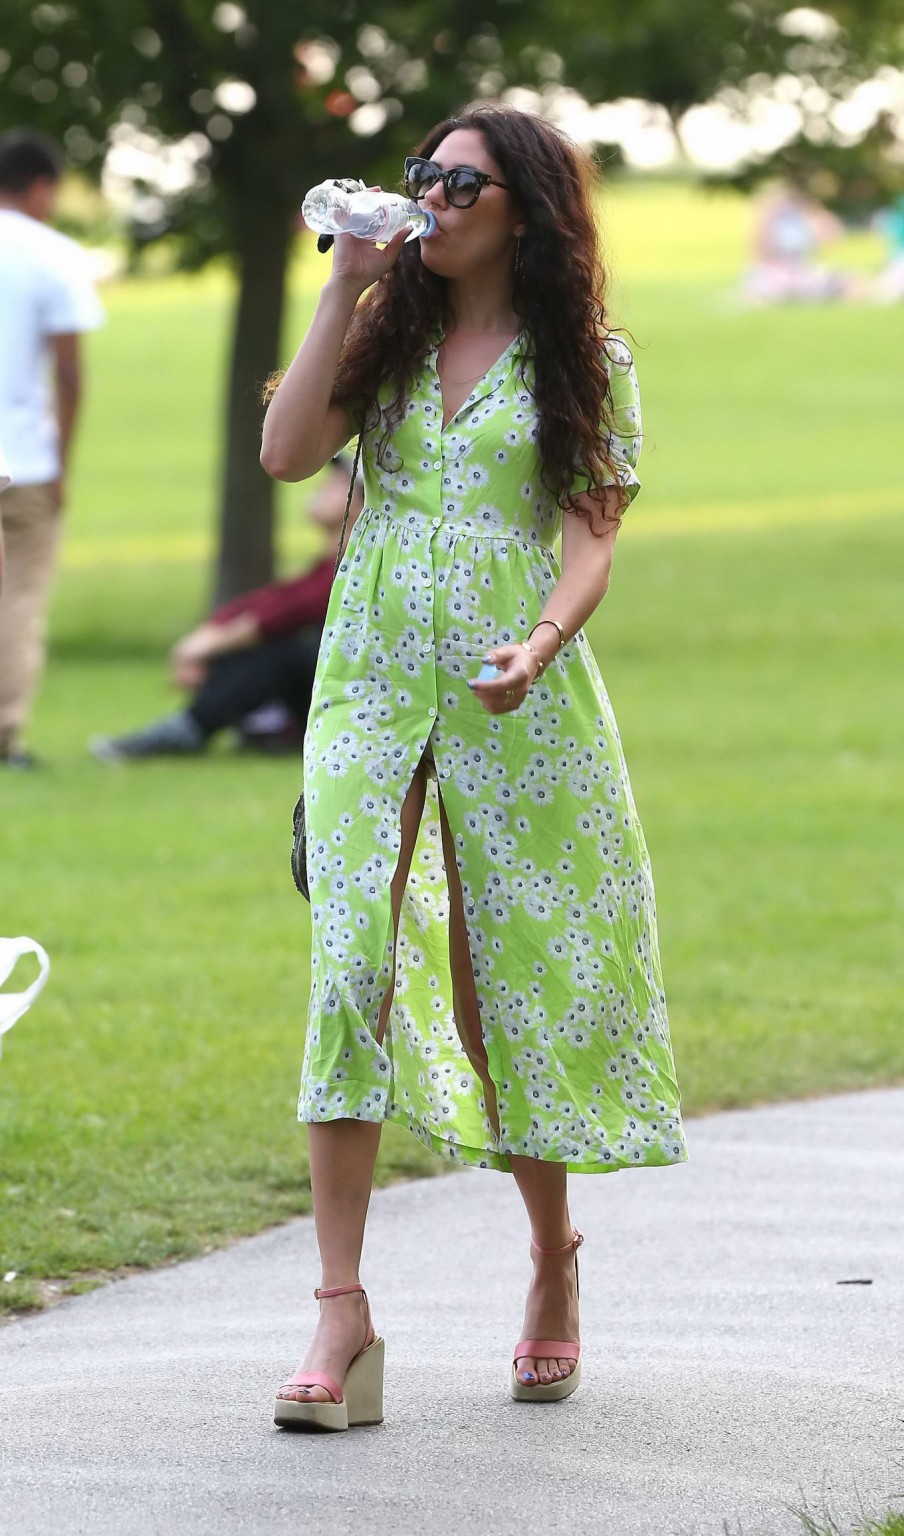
(348, 208)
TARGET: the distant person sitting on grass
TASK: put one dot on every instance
(256, 651)
(888, 287)
(790, 233)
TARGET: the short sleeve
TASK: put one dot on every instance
(69, 301)
(623, 424)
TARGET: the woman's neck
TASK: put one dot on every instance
(484, 307)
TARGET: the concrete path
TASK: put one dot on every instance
(728, 1374)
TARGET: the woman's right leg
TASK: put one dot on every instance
(342, 1156)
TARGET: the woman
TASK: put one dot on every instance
(484, 953)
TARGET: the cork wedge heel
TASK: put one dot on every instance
(359, 1402)
(549, 1349)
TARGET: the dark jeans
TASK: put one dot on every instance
(276, 671)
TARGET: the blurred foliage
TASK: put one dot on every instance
(852, 180)
(308, 81)
(218, 116)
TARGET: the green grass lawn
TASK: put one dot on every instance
(751, 644)
(891, 1524)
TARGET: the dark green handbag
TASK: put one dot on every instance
(299, 826)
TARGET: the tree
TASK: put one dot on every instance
(247, 105)
(262, 104)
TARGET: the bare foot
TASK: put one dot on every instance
(551, 1312)
(339, 1336)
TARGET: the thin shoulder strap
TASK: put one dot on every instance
(348, 504)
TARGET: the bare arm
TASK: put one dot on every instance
(586, 563)
(302, 428)
(66, 354)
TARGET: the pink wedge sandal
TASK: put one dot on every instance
(362, 1400)
(549, 1349)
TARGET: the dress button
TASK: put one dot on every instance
(437, 522)
(438, 464)
(427, 647)
(431, 712)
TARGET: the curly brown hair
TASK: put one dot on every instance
(559, 296)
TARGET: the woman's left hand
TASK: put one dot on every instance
(502, 694)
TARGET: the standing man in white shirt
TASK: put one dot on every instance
(47, 299)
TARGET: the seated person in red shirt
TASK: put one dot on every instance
(259, 649)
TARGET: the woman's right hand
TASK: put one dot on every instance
(303, 426)
(359, 263)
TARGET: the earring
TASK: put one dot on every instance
(519, 257)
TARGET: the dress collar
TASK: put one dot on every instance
(488, 384)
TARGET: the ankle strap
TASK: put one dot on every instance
(347, 1290)
(572, 1247)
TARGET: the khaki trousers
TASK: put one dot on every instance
(30, 522)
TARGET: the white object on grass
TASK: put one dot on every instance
(14, 1004)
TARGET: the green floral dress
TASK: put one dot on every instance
(452, 554)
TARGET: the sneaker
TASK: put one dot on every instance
(173, 736)
(272, 730)
(19, 760)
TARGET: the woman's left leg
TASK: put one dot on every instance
(551, 1311)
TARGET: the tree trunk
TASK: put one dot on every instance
(245, 556)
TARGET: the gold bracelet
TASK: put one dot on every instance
(540, 663)
(559, 627)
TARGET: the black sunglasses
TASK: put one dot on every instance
(462, 185)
